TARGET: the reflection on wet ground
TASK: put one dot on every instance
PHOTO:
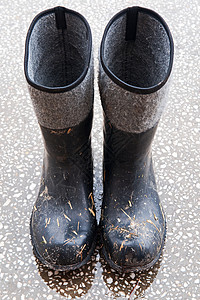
(130, 284)
(77, 283)
(74, 283)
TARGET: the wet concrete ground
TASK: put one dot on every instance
(176, 162)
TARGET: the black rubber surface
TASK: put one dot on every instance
(132, 221)
(63, 222)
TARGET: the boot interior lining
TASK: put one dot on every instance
(57, 57)
(141, 63)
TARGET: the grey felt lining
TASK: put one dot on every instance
(63, 110)
(57, 58)
(128, 111)
(143, 63)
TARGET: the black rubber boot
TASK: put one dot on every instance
(59, 71)
(136, 58)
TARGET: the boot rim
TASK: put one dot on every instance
(117, 80)
(74, 84)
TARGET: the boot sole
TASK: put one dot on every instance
(58, 267)
(128, 269)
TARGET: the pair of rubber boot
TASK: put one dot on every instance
(136, 57)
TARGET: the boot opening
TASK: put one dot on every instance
(58, 49)
(140, 58)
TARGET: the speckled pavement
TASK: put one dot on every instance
(175, 153)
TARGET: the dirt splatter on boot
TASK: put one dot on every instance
(136, 59)
(59, 72)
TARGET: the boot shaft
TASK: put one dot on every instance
(59, 68)
(136, 59)
(126, 148)
(63, 144)
(59, 71)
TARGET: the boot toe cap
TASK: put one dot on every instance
(61, 249)
(132, 252)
